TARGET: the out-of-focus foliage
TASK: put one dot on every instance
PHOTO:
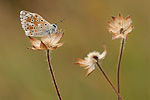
(24, 74)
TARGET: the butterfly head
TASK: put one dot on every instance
(53, 28)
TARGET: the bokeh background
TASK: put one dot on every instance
(24, 74)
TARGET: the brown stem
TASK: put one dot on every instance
(109, 81)
(118, 69)
(52, 74)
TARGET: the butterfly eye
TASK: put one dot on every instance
(41, 27)
(41, 20)
(34, 27)
(37, 20)
(32, 20)
(45, 24)
(54, 25)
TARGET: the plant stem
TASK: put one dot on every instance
(52, 74)
(109, 81)
(118, 69)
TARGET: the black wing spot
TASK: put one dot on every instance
(41, 20)
(45, 24)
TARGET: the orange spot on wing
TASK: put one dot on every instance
(31, 16)
(30, 34)
(35, 15)
(31, 27)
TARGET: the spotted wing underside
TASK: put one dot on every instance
(33, 24)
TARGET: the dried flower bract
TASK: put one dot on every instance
(90, 61)
(120, 27)
(48, 42)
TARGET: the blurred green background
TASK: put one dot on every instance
(24, 74)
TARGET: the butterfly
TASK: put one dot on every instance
(34, 25)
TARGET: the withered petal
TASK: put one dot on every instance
(87, 67)
(58, 37)
(46, 39)
(53, 48)
(113, 17)
(90, 70)
(35, 43)
(43, 46)
(111, 25)
(128, 17)
(78, 59)
(120, 17)
(128, 30)
(113, 31)
(127, 23)
(102, 56)
(81, 61)
(77, 63)
(33, 48)
(60, 44)
(119, 36)
(55, 39)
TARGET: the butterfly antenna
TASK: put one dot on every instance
(60, 21)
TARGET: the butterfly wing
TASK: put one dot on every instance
(33, 24)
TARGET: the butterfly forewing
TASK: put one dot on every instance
(33, 24)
